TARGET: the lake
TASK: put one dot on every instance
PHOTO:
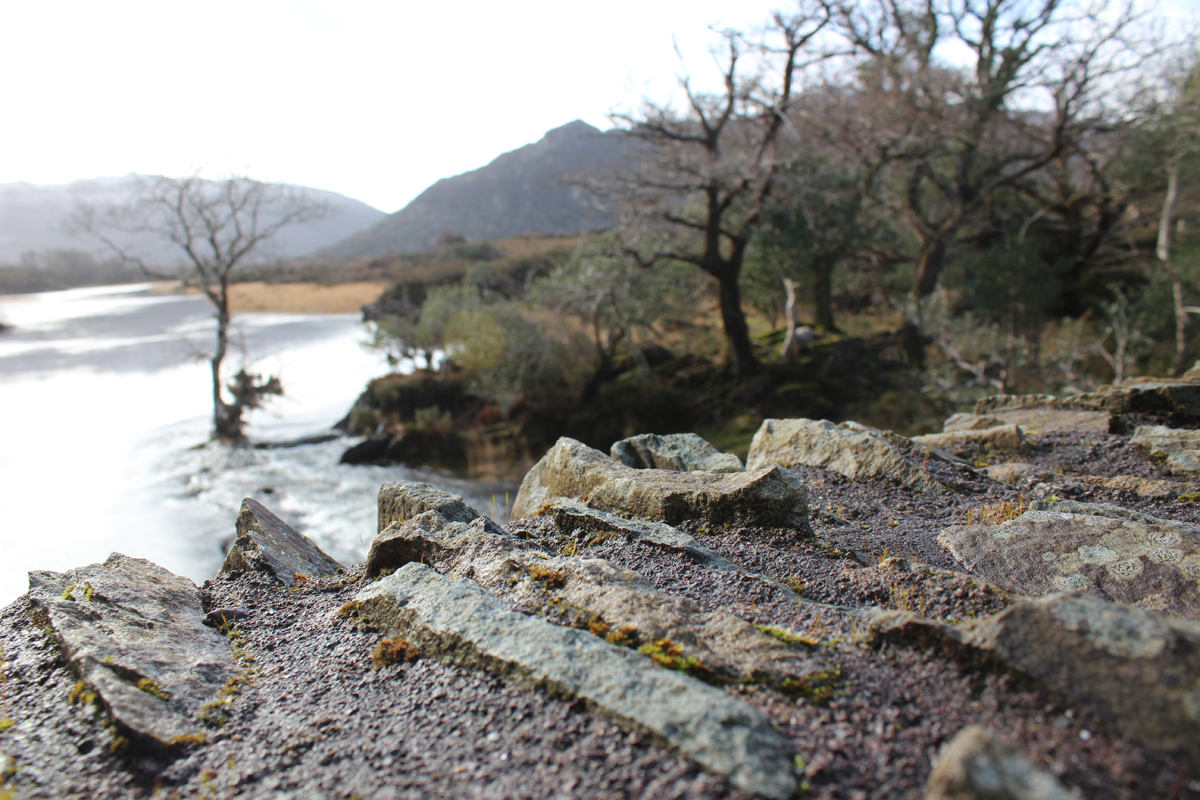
(106, 400)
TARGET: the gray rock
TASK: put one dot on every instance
(1155, 397)
(1180, 448)
(682, 452)
(976, 765)
(135, 633)
(404, 500)
(770, 496)
(854, 451)
(569, 516)
(1035, 419)
(998, 439)
(432, 539)
(1019, 472)
(267, 544)
(459, 622)
(1123, 555)
(1137, 668)
(970, 422)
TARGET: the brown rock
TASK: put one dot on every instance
(999, 439)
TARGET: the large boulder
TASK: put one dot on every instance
(134, 633)
(572, 471)
(404, 500)
(459, 622)
(1179, 449)
(268, 545)
(1119, 554)
(681, 452)
(1136, 668)
(850, 450)
(977, 765)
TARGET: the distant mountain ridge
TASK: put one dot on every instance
(32, 218)
(521, 191)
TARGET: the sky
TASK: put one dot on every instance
(375, 100)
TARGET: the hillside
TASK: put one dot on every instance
(519, 192)
(32, 218)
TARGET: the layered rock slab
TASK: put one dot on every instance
(268, 545)
(1121, 555)
(1180, 449)
(572, 471)
(135, 633)
(976, 765)
(1156, 398)
(1045, 420)
(1137, 668)
(403, 500)
(459, 622)
(608, 600)
(681, 452)
(996, 439)
(856, 452)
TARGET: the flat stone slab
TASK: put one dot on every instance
(1156, 398)
(403, 500)
(572, 471)
(1181, 448)
(1034, 419)
(850, 450)
(459, 622)
(267, 544)
(1137, 668)
(1000, 439)
(977, 764)
(1121, 555)
(681, 452)
(135, 633)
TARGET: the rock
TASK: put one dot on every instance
(1156, 398)
(1019, 472)
(431, 538)
(608, 600)
(1136, 668)
(459, 622)
(404, 500)
(1120, 554)
(1001, 438)
(1132, 484)
(682, 452)
(569, 516)
(135, 634)
(853, 451)
(976, 765)
(267, 544)
(1181, 448)
(970, 422)
(770, 496)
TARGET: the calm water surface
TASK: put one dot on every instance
(105, 394)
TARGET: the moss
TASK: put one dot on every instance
(669, 654)
(82, 692)
(546, 577)
(66, 595)
(119, 744)
(393, 651)
(1189, 497)
(5, 724)
(216, 712)
(796, 584)
(151, 687)
(89, 594)
(187, 738)
(817, 688)
(787, 637)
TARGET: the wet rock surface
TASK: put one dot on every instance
(134, 635)
(326, 703)
(1123, 556)
(267, 544)
(680, 452)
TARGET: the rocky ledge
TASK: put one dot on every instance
(1007, 609)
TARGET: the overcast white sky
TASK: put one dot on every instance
(375, 100)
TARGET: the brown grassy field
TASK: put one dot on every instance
(302, 298)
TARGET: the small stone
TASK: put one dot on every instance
(681, 452)
(221, 617)
(403, 500)
(267, 544)
(976, 765)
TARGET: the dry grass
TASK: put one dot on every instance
(996, 513)
(303, 298)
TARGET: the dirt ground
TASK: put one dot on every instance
(321, 720)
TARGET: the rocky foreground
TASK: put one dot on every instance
(1007, 609)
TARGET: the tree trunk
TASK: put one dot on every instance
(227, 424)
(737, 332)
(1163, 251)
(929, 266)
(789, 310)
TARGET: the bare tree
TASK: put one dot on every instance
(219, 228)
(706, 173)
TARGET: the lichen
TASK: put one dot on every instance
(787, 637)
(66, 595)
(149, 686)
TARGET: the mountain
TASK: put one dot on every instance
(32, 218)
(522, 191)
